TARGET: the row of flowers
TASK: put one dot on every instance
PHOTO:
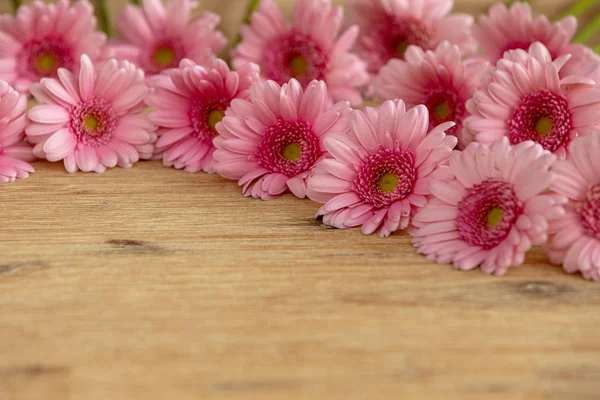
(479, 156)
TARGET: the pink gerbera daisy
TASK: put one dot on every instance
(93, 121)
(157, 38)
(44, 37)
(189, 106)
(493, 210)
(525, 99)
(271, 142)
(379, 174)
(575, 236)
(438, 79)
(388, 27)
(311, 49)
(14, 151)
(515, 28)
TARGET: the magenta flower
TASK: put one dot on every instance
(513, 28)
(311, 49)
(190, 103)
(93, 121)
(157, 38)
(575, 236)
(525, 99)
(492, 211)
(271, 142)
(388, 27)
(45, 37)
(438, 79)
(379, 174)
(14, 151)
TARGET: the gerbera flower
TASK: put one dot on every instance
(388, 27)
(189, 106)
(525, 99)
(311, 49)
(513, 28)
(14, 151)
(271, 142)
(492, 211)
(575, 237)
(379, 174)
(157, 38)
(438, 79)
(93, 121)
(45, 37)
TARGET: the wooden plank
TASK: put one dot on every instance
(152, 283)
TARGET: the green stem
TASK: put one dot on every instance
(252, 7)
(16, 4)
(136, 2)
(102, 15)
(578, 8)
(588, 31)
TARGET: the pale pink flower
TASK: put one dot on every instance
(271, 142)
(93, 121)
(14, 151)
(388, 27)
(157, 38)
(189, 105)
(378, 175)
(310, 49)
(44, 37)
(513, 28)
(575, 237)
(492, 211)
(525, 99)
(436, 78)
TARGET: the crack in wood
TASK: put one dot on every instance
(20, 266)
(33, 370)
(135, 246)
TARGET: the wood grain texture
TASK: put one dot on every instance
(151, 283)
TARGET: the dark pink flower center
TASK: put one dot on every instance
(590, 212)
(204, 116)
(42, 58)
(543, 117)
(444, 105)
(516, 45)
(93, 122)
(163, 55)
(294, 56)
(487, 213)
(401, 34)
(389, 38)
(288, 148)
(385, 177)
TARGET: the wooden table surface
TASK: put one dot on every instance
(151, 283)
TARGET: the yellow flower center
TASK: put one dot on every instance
(298, 66)
(163, 56)
(90, 122)
(401, 48)
(494, 216)
(46, 63)
(442, 110)
(292, 152)
(388, 183)
(214, 118)
(543, 126)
